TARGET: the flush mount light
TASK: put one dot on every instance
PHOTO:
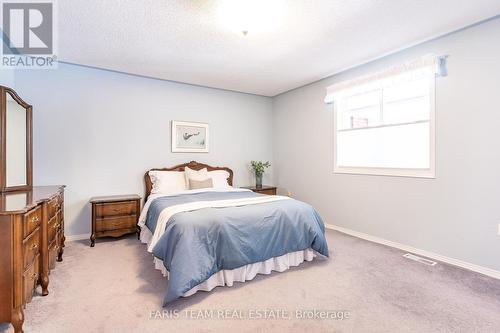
(250, 17)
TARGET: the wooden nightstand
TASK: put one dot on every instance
(114, 216)
(269, 190)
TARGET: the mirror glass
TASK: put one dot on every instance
(16, 143)
(15, 201)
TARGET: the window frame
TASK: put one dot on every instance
(396, 172)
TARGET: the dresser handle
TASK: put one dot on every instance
(34, 276)
(35, 219)
(56, 226)
(34, 246)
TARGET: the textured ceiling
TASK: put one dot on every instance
(187, 41)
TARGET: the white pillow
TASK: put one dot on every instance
(199, 175)
(166, 182)
(219, 178)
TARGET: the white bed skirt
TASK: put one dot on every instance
(240, 274)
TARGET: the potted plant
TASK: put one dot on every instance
(259, 167)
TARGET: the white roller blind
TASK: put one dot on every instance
(386, 125)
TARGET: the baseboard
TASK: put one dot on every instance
(463, 264)
(72, 238)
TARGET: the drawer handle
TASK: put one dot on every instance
(56, 226)
(35, 219)
(34, 276)
(34, 246)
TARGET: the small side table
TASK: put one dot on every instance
(265, 189)
(115, 216)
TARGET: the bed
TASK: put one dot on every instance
(206, 237)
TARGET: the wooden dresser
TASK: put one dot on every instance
(264, 189)
(114, 216)
(31, 240)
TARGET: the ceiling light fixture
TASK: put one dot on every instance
(250, 16)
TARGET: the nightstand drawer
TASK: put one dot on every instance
(266, 191)
(114, 216)
(114, 223)
(116, 209)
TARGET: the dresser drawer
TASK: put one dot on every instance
(114, 223)
(116, 209)
(53, 227)
(60, 198)
(30, 278)
(53, 248)
(32, 220)
(31, 247)
(54, 205)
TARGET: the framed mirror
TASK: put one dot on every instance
(15, 142)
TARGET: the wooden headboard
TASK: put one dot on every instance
(192, 165)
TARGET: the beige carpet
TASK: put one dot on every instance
(114, 288)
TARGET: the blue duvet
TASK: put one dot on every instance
(199, 243)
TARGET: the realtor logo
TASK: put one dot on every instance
(28, 34)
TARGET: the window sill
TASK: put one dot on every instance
(410, 173)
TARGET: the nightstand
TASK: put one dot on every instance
(269, 190)
(114, 216)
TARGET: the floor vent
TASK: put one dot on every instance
(420, 259)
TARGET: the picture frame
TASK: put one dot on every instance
(190, 137)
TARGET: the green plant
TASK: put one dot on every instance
(260, 166)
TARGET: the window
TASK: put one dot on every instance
(384, 124)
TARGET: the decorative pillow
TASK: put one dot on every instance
(219, 178)
(197, 184)
(166, 182)
(195, 175)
